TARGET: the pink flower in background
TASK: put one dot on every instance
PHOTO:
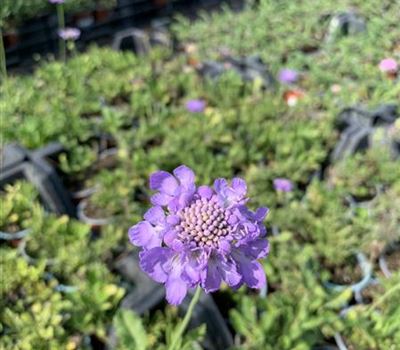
(195, 106)
(69, 33)
(388, 65)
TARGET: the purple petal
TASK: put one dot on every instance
(176, 290)
(180, 202)
(160, 199)
(144, 235)
(224, 246)
(155, 215)
(205, 192)
(169, 186)
(261, 213)
(173, 220)
(195, 265)
(220, 186)
(185, 176)
(239, 186)
(256, 249)
(229, 273)
(213, 277)
(157, 179)
(251, 270)
(169, 237)
(154, 262)
(230, 195)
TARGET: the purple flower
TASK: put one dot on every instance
(56, 1)
(288, 76)
(69, 33)
(388, 65)
(195, 106)
(283, 185)
(200, 235)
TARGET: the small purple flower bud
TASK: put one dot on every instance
(283, 185)
(288, 76)
(195, 106)
(69, 34)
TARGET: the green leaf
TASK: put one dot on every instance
(130, 331)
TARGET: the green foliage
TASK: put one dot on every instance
(139, 103)
(376, 326)
(16, 206)
(130, 331)
(31, 312)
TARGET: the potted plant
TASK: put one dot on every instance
(16, 213)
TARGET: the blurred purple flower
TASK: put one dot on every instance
(388, 65)
(56, 1)
(69, 33)
(283, 185)
(200, 235)
(195, 106)
(288, 76)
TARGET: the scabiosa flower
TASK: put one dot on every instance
(195, 106)
(283, 185)
(200, 236)
(69, 33)
(288, 76)
(388, 65)
(56, 1)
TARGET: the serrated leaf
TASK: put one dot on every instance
(130, 331)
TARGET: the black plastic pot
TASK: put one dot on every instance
(358, 286)
(345, 24)
(93, 222)
(357, 127)
(249, 68)
(19, 163)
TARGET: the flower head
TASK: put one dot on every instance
(69, 33)
(288, 76)
(200, 235)
(283, 185)
(388, 65)
(56, 1)
(195, 106)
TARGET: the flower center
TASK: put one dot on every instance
(203, 223)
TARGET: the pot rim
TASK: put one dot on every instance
(7, 236)
(88, 220)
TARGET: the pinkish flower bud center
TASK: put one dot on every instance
(203, 223)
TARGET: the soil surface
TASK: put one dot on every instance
(393, 260)
(371, 292)
(347, 274)
(94, 212)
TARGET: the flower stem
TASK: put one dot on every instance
(61, 25)
(178, 332)
(3, 62)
